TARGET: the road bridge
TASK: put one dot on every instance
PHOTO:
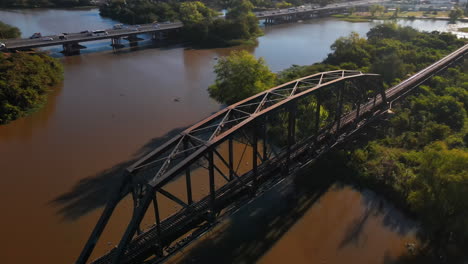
(312, 11)
(283, 129)
(72, 42)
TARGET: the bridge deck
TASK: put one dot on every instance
(12, 44)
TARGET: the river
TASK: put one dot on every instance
(111, 108)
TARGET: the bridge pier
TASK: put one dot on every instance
(72, 48)
(116, 42)
(159, 35)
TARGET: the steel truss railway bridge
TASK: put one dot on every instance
(282, 129)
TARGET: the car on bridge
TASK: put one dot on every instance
(47, 39)
(2, 46)
(36, 35)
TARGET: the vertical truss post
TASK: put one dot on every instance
(138, 215)
(231, 159)
(188, 182)
(212, 184)
(383, 95)
(135, 204)
(340, 105)
(158, 224)
(102, 222)
(291, 131)
(255, 156)
(264, 136)
(358, 109)
(317, 114)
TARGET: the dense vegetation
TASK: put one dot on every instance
(202, 26)
(44, 3)
(25, 80)
(419, 157)
(239, 76)
(8, 31)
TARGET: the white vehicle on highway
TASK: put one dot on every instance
(118, 26)
(97, 33)
(2, 45)
(47, 39)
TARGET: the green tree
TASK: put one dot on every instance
(25, 80)
(239, 76)
(455, 14)
(352, 49)
(7, 31)
(374, 9)
(195, 12)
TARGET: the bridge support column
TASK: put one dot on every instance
(116, 42)
(264, 137)
(102, 222)
(291, 133)
(317, 114)
(212, 186)
(135, 205)
(158, 224)
(188, 181)
(255, 157)
(231, 159)
(71, 48)
(340, 106)
(138, 214)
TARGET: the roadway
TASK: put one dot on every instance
(52, 40)
(309, 8)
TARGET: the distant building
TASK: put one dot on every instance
(462, 2)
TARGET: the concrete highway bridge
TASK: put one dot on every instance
(71, 45)
(282, 130)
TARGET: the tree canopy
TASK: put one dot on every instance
(239, 76)
(25, 80)
(7, 31)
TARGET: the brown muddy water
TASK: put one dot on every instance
(57, 165)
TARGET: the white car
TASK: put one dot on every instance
(2, 45)
(47, 39)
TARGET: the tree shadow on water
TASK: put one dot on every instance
(93, 192)
(248, 234)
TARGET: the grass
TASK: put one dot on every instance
(463, 29)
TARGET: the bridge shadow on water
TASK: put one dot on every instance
(93, 192)
(250, 233)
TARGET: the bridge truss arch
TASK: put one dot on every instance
(275, 127)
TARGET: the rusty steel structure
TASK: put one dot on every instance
(282, 128)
